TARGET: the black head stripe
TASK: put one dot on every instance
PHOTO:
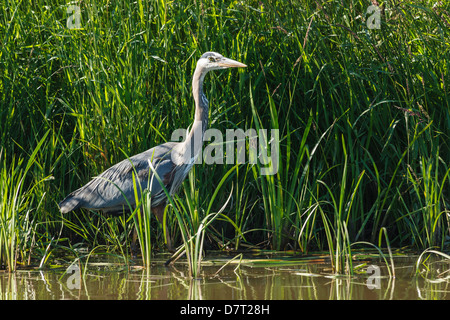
(208, 54)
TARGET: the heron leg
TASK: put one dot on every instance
(134, 241)
(159, 213)
(134, 246)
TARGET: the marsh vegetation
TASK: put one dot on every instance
(363, 116)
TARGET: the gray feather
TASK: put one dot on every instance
(113, 190)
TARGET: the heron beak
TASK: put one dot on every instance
(229, 63)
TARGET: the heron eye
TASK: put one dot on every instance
(212, 59)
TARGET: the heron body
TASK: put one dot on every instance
(113, 190)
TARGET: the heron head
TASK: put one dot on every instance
(213, 61)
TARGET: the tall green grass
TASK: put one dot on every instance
(363, 119)
(18, 223)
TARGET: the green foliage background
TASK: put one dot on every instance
(363, 116)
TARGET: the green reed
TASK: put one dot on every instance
(17, 221)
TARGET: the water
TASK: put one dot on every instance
(278, 278)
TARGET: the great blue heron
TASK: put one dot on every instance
(113, 190)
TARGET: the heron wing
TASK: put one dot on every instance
(113, 190)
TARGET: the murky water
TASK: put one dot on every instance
(287, 279)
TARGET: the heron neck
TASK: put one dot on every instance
(201, 103)
(194, 141)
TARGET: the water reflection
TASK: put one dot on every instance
(305, 281)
